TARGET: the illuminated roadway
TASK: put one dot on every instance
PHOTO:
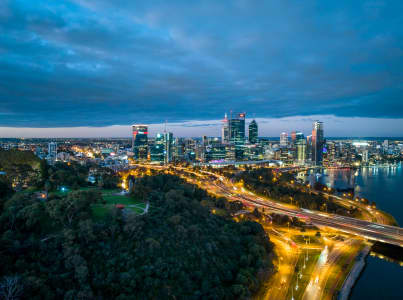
(372, 231)
(369, 230)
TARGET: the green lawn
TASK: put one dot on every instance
(300, 239)
(113, 197)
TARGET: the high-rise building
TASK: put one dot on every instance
(237, 129)
(300, 144)
(365, 156)
(168, 143)
(317, 143)
(140, 141)
(299, 136)
(237, 134)
(253, 132)
(293, 137)
(157, 149)
(225, 130)
(52, 152)
(283, 139)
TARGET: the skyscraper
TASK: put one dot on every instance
(237, 129)
(317, 143)
(293, 137)
(157, 150)
(140, 141)
(300, 144)
(253, 132)
(168, 143)
(52, 152)
(283, 139)
(237, 134)
(225, 130)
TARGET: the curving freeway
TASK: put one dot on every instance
(369, 230)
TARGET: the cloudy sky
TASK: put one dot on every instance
(83, 68)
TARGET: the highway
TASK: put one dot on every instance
(372, 231)
(369, 230)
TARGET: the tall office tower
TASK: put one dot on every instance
(293, 137)
(309, 147)
(237, 129)
(301, 151)
(52, 152)
(140, 141)
(237, 134)
(317, 143)
(168, 143)
(299, 136)
(253, 132)
(365, 156)
(179, 149)
(283, 139)
(157, 149)
(225, 130)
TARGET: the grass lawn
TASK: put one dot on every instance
(300, 239)
(113, 197)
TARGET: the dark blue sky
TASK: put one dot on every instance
(101, 63)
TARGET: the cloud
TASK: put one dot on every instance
(85, 63)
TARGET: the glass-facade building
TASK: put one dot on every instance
(317, 143)
(140, 141)
(253, 132)
(237, 134)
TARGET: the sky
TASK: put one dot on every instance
(92, 68)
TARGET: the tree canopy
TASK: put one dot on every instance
(178, 250)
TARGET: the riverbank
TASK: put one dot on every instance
(354, 274)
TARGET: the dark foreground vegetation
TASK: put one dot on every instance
(57, 249)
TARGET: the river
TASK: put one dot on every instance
(380, 279)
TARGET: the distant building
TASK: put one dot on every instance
(365, 156)
(157, 149)
(225, 130)
(317, 143)
(237, 134)
(168, 146)
(283, 139)
(293, 137)
(140, 141)
(215, 152)
(253, 132)
(237, 129)
(52, 152)
(300, 144)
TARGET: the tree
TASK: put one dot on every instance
(11, 287)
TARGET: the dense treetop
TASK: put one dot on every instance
(178, 250)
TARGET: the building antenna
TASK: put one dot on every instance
(165, 129)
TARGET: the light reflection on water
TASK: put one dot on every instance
(384, 185)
